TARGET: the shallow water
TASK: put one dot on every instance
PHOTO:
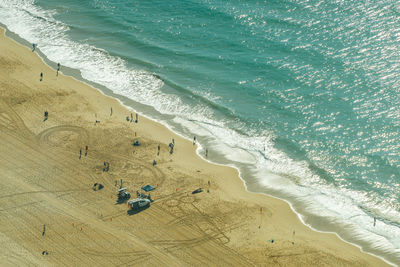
(301, 96)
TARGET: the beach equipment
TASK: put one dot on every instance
(97, 186)
(136, 143)
(198, 190)
(148, 188)
(139, 203)
(123, 194)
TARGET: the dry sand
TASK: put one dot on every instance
(43, 181)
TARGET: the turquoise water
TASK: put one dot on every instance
(301, 96)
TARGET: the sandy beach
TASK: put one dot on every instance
(47, 201)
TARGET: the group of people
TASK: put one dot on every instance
(141, 195)
(86, 152)
(106, 167)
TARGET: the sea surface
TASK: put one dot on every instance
(303, 97)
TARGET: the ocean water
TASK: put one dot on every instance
(301, 96)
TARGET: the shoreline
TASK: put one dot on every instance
(330, 223)
(241, 180)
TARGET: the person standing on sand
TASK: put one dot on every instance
(158, 151)
(131, 117)
(111, 112)
(137, 118)
(33, 47)
(86, 151)
(41, 76)
(46, 115)
(80, 153)
(44, 230)
(58, 68)
(194, 140)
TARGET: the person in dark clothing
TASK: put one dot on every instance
(46, 116)
(58, 68)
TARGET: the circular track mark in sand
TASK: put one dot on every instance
(63, 135)
(172, 203)
(187, 199)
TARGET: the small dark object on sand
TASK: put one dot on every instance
(106, 167)
(44, 252)
(136, 143)
(198, 190)
(148, 188)
(97, 186)
(46, 115)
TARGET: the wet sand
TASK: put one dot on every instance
(44, 182)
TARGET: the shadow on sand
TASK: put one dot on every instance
(136, 211)
(121, 201)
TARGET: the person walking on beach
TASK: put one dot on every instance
(106, 166)
(374, 221)
(194, 140)
(58, 68)
(137, 118)
(206, 152)
(44, 230)
(86, 151)
(41, 76)
(46, 115)
(131, 117)
(158, 150)
(80, 153)
(111, 112)
(294, 232)
(33, 47)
